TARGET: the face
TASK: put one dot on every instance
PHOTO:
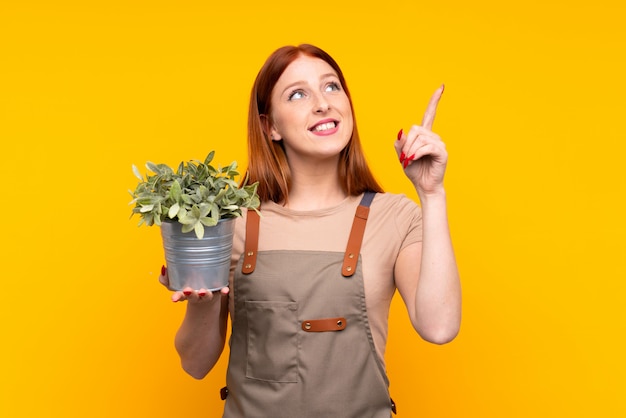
(311, 112)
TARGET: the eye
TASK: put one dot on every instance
(333, 86)
(295, 95)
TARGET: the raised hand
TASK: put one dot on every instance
(422, 153)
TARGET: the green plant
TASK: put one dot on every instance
(196, 194)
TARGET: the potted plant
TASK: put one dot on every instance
(198, 198)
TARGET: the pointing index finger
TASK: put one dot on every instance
(431, 110)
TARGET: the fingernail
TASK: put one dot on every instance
(411, 157)
(400, 134)
(406, 163)
(163, 270)
(402, 157)
(443, 87)
(186, 292)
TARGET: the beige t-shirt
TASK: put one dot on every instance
(394, 222)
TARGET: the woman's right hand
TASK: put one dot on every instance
(189, 294)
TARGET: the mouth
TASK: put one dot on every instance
(326, 125)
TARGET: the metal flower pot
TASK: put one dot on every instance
(199, 263)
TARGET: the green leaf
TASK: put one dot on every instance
(215, 212)
(175, 191)
(153, 167)
(195, 212)
(208, 222)
(173, 210)
(209, 158)
(199, 228)
(197, 194)
(220, 194)
(205, 208)
(137, 173)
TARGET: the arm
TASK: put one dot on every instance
(427, 277)
(426, 273)
(201, 337)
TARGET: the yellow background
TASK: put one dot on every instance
(533, 118)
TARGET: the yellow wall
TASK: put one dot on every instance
(533, 117)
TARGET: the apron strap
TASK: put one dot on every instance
(251, 243)
(353, 249)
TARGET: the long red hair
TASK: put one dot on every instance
(267, 160)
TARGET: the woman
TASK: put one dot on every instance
(314, 276)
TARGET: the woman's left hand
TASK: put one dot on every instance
(422, 153)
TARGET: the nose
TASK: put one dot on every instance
(322, 105)
(322, 108)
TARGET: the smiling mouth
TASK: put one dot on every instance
(324, 127)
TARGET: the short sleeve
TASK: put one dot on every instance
(408, 221)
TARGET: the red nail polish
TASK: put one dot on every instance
(201, 294)
(406, 163)
(186, 292)
(163, 270)
(402, 157)
(400, 134)
(411, 157)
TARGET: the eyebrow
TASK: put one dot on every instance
(296, 83)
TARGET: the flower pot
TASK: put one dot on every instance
(199, 263)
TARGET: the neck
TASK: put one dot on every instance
(315, 187)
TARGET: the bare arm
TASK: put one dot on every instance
(201, 337)
(428, 280)
(427, 276)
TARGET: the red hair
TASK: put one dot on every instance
(267, 160)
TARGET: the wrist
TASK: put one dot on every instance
(435, 196)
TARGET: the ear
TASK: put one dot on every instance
(269, 128)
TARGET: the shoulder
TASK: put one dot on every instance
(390, 203)
(396, 214)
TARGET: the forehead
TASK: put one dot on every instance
(305, 68)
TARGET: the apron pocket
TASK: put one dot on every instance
(272, 341)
